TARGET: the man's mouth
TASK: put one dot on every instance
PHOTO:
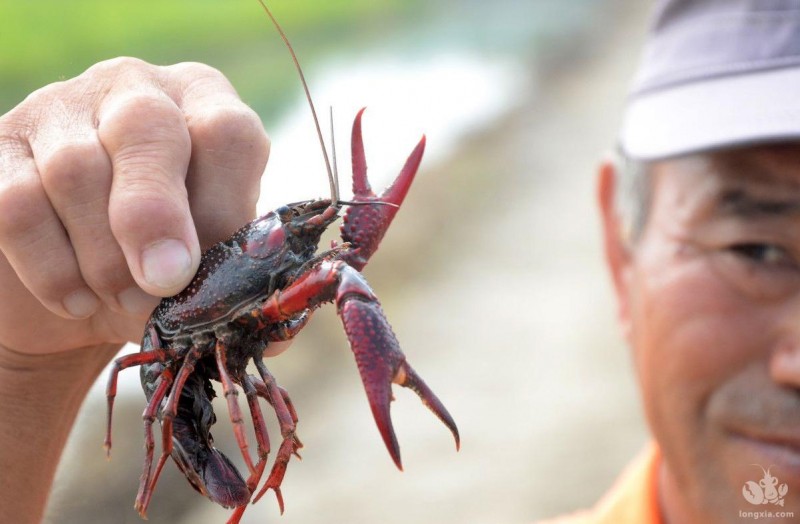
(773, 448)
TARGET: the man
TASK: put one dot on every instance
(701, 223)
(110, 185)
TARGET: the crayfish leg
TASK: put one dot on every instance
(262, 437)
(260, 427)
(149, 416)
(134, 359)
(168, 415)
(237, 515)
(287, 422)
(232, 398)
(263, 392)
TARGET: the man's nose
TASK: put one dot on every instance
(784, 362)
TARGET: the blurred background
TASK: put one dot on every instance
(492, 274)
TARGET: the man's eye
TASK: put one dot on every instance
(759, 270)
(769, 254)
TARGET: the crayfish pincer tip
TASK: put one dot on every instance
(141, 511)
(448, 421)
(395, 454)
(384, 423)
(279, 496)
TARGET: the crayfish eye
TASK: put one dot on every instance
(284, 213)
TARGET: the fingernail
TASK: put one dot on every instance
(167, 264)
(81, 303)
(137, 302)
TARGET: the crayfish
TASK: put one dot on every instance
(252, 291)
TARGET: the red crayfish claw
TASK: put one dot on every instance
(380, 363)
(363, 226)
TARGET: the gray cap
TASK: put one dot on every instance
(715, 73)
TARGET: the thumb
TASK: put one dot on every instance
(148, 142)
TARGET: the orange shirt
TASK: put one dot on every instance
(632, 500)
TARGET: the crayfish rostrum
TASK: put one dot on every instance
(259, 288)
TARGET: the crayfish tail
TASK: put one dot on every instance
(206, 468)
(224, 484)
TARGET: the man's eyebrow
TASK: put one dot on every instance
(739, 202)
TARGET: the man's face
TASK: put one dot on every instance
(710, 299)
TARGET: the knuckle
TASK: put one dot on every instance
(230, 126)
(198, 83)
(54, 284)
(14, 145)
(45, 95)
(106, 275)
(73, 167)
(143, 196)
(195, 71)
(146, 214)
(113, 66)
(43, 261)
(146, 131)
(20, 124)
(52, 112)
(140, 110)
(236, 136)
(20, 204)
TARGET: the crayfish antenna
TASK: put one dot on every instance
(332, 182)
(335, 195)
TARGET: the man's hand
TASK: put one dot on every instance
(110, 183)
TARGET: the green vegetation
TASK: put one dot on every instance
(43, 41)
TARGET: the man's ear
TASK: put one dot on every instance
(616, 241)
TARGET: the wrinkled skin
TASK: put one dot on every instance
(710, 301)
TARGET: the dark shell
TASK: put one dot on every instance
(230, 275)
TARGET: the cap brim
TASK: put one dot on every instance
(718, 112)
